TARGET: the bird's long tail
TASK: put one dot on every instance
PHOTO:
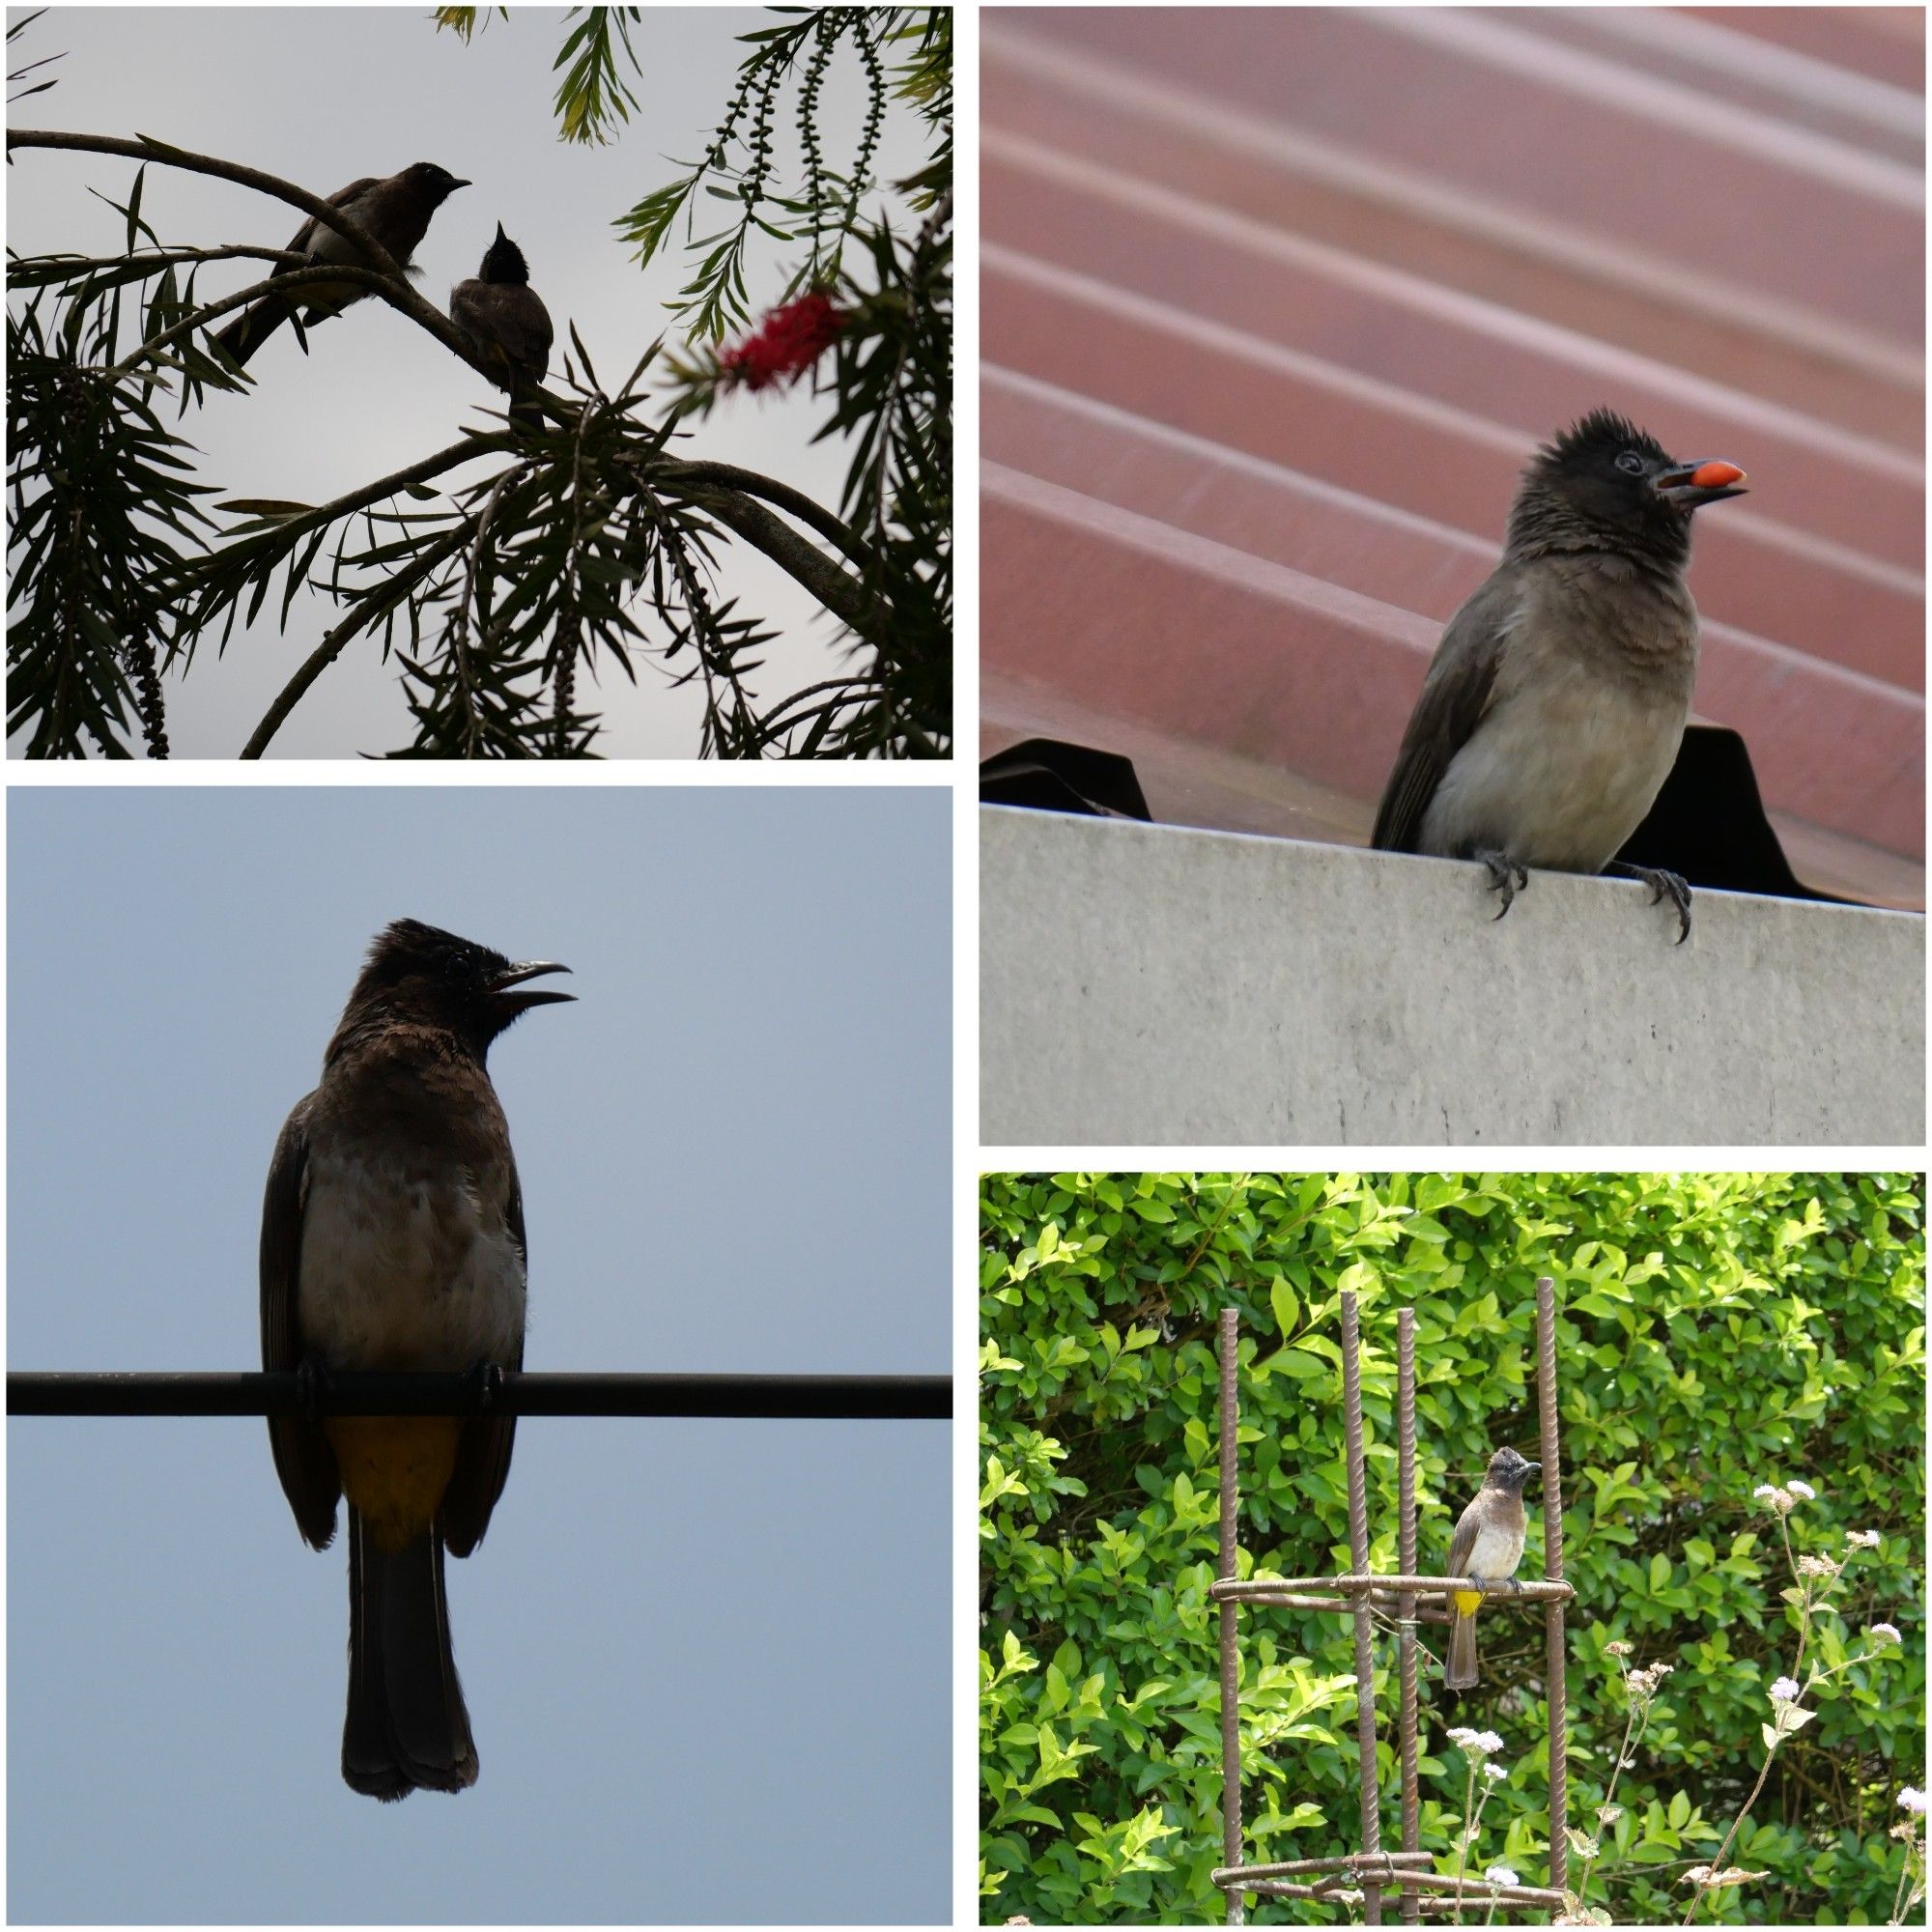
(1459, 1672)
(406, 1728)
(252, 328)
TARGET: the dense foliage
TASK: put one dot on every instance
(1715, 1332)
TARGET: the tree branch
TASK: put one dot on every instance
(782, 494)
(844, 596)
(853, 690)
(144, 148)
(360, 499)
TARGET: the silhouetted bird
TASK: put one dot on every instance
(392, 1239)
(395, 209)
(506, 323)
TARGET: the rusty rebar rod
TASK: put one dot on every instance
(1406, 1555)
(1342, 1861)
(1528, 1590)
(1231, 1657)
(1480, 1889)
(1552, 1570)
(1385, 1601)
(1479, 1892)
(1474, 1892)
(1358, 1555)
(515, 1392)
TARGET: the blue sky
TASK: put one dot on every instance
(706, 1663)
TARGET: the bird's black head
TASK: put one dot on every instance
(503, 262)
(1604, 484)
(421, 974)
(1510, 1471)
(437, 183)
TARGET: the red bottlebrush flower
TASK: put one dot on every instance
(790, 340)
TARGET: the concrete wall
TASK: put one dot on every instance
(1158, 985)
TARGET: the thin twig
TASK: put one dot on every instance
(168, 258)
(293, 278)
(333, 645)
(458, 631)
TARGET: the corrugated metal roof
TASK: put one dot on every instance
(1276, 302)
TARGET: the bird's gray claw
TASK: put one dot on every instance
(488, 1379)
(1506, 877)
(1663, 886)
(1668, 885)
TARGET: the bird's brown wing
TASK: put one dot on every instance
(539, 333)
(253, 327)
(304, 1458)
(1455, 695)
(321, 299)
(483, 1452)
(509, 327)
(311, 232)
(1461, 1545)
(523, 328)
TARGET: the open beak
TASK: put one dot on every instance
(514, 1002)
(1689, 486)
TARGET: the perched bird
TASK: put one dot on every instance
(1554, 704)
(395, 209)
(506, 323)
(1485, 1549)
(392, 1239)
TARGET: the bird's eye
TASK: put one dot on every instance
(1631, 463)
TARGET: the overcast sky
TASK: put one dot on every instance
(321, 95)
(706, 1663)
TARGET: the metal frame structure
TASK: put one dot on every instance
(1372, 1870)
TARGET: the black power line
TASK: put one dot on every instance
(255, 1392)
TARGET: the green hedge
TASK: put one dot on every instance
(1715, 1332)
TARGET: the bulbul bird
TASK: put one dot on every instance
(395, 209)
(506, 323)
(392, 1239)
(1487, 1547)
(1555, 702)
